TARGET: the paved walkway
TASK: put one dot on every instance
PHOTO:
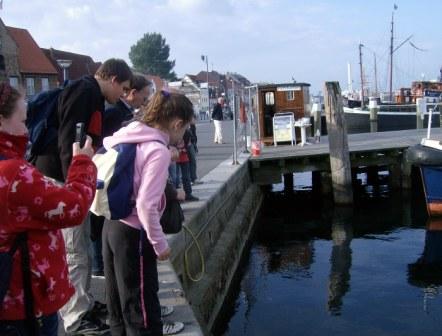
(210, 156)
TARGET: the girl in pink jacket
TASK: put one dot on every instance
(132, 246)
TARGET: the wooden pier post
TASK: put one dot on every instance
(395, 176)
(338, 144)
(288, 183)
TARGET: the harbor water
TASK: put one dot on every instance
(314, 269)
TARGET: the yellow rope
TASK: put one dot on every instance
(186, 262)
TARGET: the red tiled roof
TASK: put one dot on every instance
(81, 64)
(30, 58)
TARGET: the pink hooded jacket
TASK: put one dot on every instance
(151, 173)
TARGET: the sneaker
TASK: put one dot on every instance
(90, 326)
(191, 198)
(197, 182)
(172, 328)
(166, 311)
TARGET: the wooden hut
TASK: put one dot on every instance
(276, 98)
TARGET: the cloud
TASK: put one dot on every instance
(78, 12)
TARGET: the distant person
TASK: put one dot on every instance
(82, 101)
(114, 118)
(32, 203)
(192, 150)
(217, 116)
(183, 163)
(132, 246)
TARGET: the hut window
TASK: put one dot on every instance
(270, 98)
(2, 63)
(290, 95)
(30, 88)
(44, 84)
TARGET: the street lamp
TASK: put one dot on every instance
(204, 58)
(64, 64)
(235, 158)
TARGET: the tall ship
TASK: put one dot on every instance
(397, 110)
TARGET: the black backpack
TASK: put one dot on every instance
(41, 120)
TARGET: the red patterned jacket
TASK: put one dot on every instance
(32, 202)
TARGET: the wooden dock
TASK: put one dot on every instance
(383, 149)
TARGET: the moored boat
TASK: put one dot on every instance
(428, 157)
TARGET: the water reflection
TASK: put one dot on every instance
(427, 270)
(340, 259)
(317, 269)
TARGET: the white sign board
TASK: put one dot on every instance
(283, 127)
(288, 88)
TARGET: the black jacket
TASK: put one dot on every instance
(115, 116)
(217, 113)
(80, 101)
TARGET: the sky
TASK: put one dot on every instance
(273, 41)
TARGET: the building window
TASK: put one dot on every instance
(44, 84)
(2, 63)
(290, 95)
(30, 87)
(13, 81)
(270, 98)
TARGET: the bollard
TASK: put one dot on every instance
(421, 109)
(374, 109)
(316, 111)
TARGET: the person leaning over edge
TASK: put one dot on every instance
(33, 203)
(82, 101)
(123, 110)
(131, 246)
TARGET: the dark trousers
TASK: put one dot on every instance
(131, 278)
(48, 327)
(191, 152)
(185, 176)
(96, 233)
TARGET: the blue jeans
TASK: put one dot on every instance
(48, 327)
(185, 174)
(175, 174)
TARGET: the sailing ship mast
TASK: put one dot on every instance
(362, 75)
(391, 55)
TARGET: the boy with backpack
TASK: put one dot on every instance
(81, 101)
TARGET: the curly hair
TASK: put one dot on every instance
(8, 98)
(165, 106)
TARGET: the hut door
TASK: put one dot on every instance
(268, 99)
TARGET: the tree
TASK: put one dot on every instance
(150, 55)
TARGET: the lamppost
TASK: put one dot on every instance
(64, 64)
(235, 159)
(204, 58)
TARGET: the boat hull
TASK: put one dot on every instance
(358, 121)
(432, 181)
(429, 161)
